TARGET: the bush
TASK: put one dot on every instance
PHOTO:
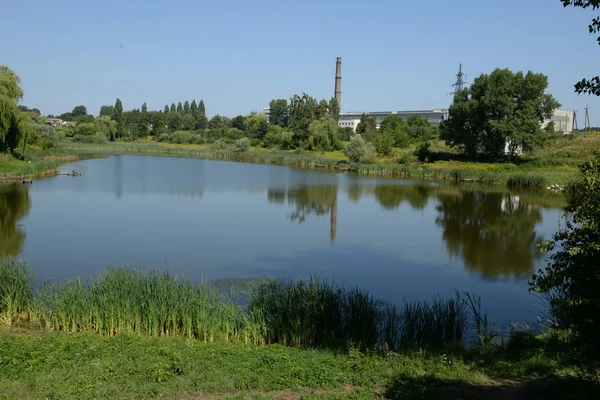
(97, 138)
(271, 140)
(286, 141)
(218, 145)
(181, 137)
(572, 278)
(384, 143)
(163, 137)
(422, 152)
(359, 151)
(242, 145)
(47, 143)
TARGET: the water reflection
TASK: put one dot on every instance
(493, 233)
(317, 200)
(14, 205)
(391, 196)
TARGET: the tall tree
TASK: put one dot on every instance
(201, 109)
(174, 121)
(302, 112)
(238, 122)
(194, 109)
(334, 109)
(79, 111)
(499, 110)
(279, 112)
(172, 109)
(186, 108)
(107, 111)
(14, 127)
(144, 121)
(366, 124)
(179, 108)
(591, 86)
(322, 110)
(188, 122)
(159, 122)
(201, 122)
(257, 125)
(118, 117)
(166, 110)
(216, 122)
(396, 127)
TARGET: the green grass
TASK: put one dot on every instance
(36, 365)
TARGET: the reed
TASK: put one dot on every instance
(307, 312)
(526, 181)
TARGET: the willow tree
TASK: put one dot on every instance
(13, 123)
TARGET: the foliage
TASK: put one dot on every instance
(345, 133)
(499, 109)
(591, 86)
(14, 124)
(397, 127)
(359, 151)
(384, 143)
(242, 145)
(256, 125)
(118, 117)
(419, 128)
(218, 145)
(572, 278)
(423, 151)
(366, 124)
(279, 112)
(323, 135)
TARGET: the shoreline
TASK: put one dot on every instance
(438, 172)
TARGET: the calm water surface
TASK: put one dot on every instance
(222, 220)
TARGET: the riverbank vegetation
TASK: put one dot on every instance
(303, 132)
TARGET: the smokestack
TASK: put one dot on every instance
(338, 81)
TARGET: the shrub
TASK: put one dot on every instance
(218, 145)
(181, 137)
(359, 151)
(422, 152)
(47, 142)
(271, 140)
(572, 278)
(286, 141)
(242, 145)
(163, 137)
(384, 143)
(97, 138)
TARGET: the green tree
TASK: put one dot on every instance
(384, 143)
(174, 121)
(202, 122)
(107, 111)
(366, 124)
(216, 122)
(397, 127)
(419, 128)
(360, 151)
(238, 122)
(279, 112)
(189, 123)
(302, 112)
(14, 124)
(324, 135)
(186, 108)
(172, 109)
(334, 109)
(105, 126)
(571, 281)
(256, 125)
(201, 109)
(194, 109)
(159, 122)
(591, 86)
(166, 110)
(144, 121)
(498, 110)
(242, 145)
(180, 108)
(322, 109)
(118, 117)
(79, 111)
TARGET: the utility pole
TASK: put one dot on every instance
(460, 81)
(587, 119)
(575, 127)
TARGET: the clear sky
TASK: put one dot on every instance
(238, 55)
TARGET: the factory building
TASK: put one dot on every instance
(351, 119)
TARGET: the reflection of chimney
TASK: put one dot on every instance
(338, 81)
(333, 219)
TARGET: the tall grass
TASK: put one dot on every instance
(526, 181)
(304, 313)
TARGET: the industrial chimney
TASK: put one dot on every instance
(338, 81)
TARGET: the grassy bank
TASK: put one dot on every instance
(36, 164)
(37, 365)
(556, 163)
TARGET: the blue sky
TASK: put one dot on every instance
(238, 55)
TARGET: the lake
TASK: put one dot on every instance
(228, 221)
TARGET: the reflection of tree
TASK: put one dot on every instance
(14, 205)
(391, 196)
(355, 192)
(493, 233)
(317, 200)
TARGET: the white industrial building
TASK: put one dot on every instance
(563, 119)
